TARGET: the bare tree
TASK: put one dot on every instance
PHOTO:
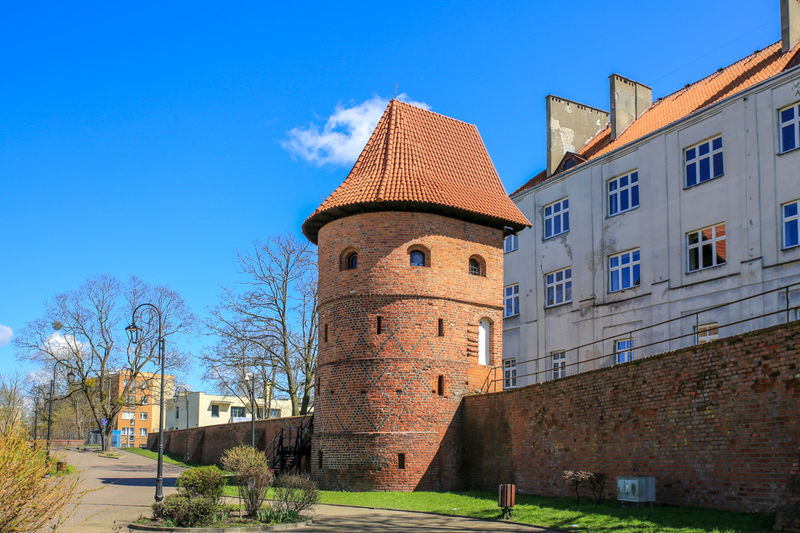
(83, 331)
(268, 326)
(12, 401)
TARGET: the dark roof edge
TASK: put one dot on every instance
(313, 224)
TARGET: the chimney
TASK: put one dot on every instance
(569, 126)
(790, 24)
(629, 99)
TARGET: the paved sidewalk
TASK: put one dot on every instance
(126, 487)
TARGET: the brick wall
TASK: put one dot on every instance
(207, 444)
(386, 400)
(788, 516)
(718, 425)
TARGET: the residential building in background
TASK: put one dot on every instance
(140, 415)
(658, 213)
(201, 409)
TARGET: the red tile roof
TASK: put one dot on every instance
(725, 82)
(417, 160)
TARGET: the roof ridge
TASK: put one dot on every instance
(387, 151)
(431, 112)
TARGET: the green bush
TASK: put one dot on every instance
(253, 475)
(295, 493)
(185, 511)
(202, 481)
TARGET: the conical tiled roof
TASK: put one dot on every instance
(417, 160)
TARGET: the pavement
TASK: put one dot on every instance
(122, 490)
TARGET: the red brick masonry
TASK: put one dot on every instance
(718, 425)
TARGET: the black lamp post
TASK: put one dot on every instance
(248, 378)
(134, 336)
(70, 377)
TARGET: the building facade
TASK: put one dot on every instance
(658, 219)
(199, 409)
(140, 415)
(410, 274)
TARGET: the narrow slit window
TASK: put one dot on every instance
(325, 335)
(440, 385)
(379, 325)
(441, 327)
(320, 459)
(401, 461)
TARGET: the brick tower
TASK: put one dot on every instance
(410, 302)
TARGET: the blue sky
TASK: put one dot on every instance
(201, 127)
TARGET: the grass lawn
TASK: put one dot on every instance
(171, 458)
(560, 513)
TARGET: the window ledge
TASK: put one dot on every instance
(554, 306)
(686, 187)
(621, 300)
(789, 248)
(554, 236)
(618, 213)
(706, 269)
(796, 148)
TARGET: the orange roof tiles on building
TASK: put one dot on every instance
(755, 68)
(417, 160)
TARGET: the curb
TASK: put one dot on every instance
(254, 529)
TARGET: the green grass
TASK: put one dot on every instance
(170, 458)
(562, 513)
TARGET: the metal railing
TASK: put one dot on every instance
(791, 313)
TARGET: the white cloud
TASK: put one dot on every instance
(5, 334)
(340, 140)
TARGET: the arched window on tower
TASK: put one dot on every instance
(477, 266)
(417, 258)
(484, 337)
(348, 260)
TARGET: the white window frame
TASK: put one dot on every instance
(794, 123)
(511, 299)
(552, 283)
(143, 415)
(619, 191)
(511, 243)
(792, 219)
(559, 363)
(550, 215)
(213, 405)
(237, 407)
(713, 241)
(687, 162)
(142, 432)
(633, 265)
(623, 350)
(128, 415)
(704, 333)
(510, 373)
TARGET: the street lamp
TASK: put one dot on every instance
(70, 377)
(175, 398)
(248, 378)
(135, 337)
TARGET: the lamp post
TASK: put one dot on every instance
(70, 377)
(134, 336)
(248, 378)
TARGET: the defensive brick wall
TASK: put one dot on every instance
(718, 425)
(207, 444)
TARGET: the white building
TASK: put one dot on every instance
(655, 215)
(201, 409)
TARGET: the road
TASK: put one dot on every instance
(122, 490)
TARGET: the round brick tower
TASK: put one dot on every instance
(410, 302)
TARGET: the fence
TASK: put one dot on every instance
(501, 377)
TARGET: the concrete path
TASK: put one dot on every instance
(124, 490)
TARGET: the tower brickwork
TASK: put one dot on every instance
(410, 302)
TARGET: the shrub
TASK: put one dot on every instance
(253, 475)
(202, 481)
(185, 511)
(597, 481)
(295, 493)
(28, 499)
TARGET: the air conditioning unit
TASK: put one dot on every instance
(636, 489)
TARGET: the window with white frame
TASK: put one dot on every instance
(556, 218)
(509, 373)
(511, 300)
(623, 270)
(706, 247)
(510, 243)
(128, 415)
(558, 287)
(142, 432)
(623, 193)
(214, 411)
(706, 332)
(559, 364)
(237, 411)
(623, 350)
(143, 416)
(789, 124)
(703, 161)
(791, 224)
